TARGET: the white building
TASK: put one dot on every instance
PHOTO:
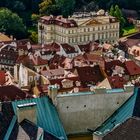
(77, 30)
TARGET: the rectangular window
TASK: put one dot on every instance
(30, 78)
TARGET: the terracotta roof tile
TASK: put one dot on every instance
(90, 75)
(2, 77)
(56, 61)
(85, 47)
(25, 60)
(59, 20)
(132, 68)
(110, 66)
(10, 93)
(68, 49)
(117, 81)
(52, 73)
(52, 47)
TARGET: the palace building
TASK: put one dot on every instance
(78, 29)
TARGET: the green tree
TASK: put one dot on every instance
(18, 6)
(119, 15)
(66, 7)
(116, 12)
(45, 6)
(112, 11)
(34, 18)
(11, 24)
(34, 37)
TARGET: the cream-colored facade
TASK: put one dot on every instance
(102, 28)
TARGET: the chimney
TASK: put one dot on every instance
(97, 136)
(52, 92)
(128, 88)
(42, 45)
(27, 111)
(16, 72)
(11, 36)
(100, 90)
(29, 45)
(31, 57)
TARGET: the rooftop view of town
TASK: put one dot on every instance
(69, 69)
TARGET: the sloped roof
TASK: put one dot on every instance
(56, 61)
(52, 47)
(29, 130)
(128, 130)
(117, 81)
(110, 66)
(58, 20)
(11, 93)
(33, 131)
(132, 68)
(47, 116)
(2, 77)
(89, 57)
(6, 116)
(105, 83)
(128, 109)
(68, 48)
(85, 47)
(26, 60)
(90, 75)
(3, 37)
(54, 72)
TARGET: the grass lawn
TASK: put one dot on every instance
(129, 30)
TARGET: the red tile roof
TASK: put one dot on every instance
(56, 61)
(90, 75)
(110, 66)
(59, 20)
(24, 47)
(85, 47)
(41, 61)
(117, 81)
(132, 68)
(68, 49)
(26, 60)
(2, 77)
(10, 93)
(52, 47)
(90, 58)
(37, 47)
(52, 73)
(131, 41)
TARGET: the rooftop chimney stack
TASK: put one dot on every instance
(100, 90)
(129, 88)
(52, 92)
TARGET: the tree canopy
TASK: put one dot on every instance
(11, 24)
(116, 12)
(57, 7)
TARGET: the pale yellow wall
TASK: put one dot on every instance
(81, 34)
